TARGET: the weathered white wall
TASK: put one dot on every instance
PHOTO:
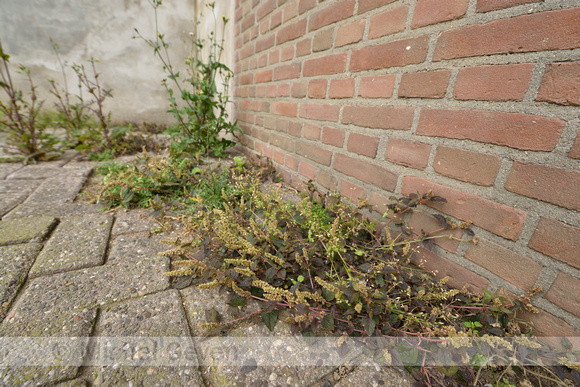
(103, 29)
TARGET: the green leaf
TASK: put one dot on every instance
(328, 322)
(300, 278)
(270, 319)
(369, 325)
(237, 301)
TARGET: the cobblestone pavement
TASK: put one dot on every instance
(84, 301)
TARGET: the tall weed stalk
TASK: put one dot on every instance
(196, 103)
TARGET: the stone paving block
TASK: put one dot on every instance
(61, 325)
(60, 189)
(133, 221)
(197, 301)
(76, 243)
(33, 172)
(48, 297)
(369, 375)
(10, 200)
(15, 261)
(12, 186)
(238, 359)
(155, 316)
(74, 383)
(58, 210)
(80, 164)
(6, 169)
(23, 230)
(132, 247)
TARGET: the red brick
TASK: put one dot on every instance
(352, 191)
(561, 84)
(341, 88)
(515, 268)
(307, 170)
(363, 145)
(314, 152)
(295, 129)
(275, 20)
(283, 90)
(554, 185)
(260, 134)
(327, 180)
(265, 43)
(306, 5)
(548, 328)
(367, 5)
(299, 89)
(288, 109)
(492, 5)
(303, 47)
(379, 86)
(291, 32)
(331, 14)
(551, 30)
(420, 223)
(282, 142)
(278, 156)
(267, 151)
(516, 130)
(565, 292)
(333, 136)
(317, 88)
(265, 9)
(557, 240)
(472, 167)
(281, 125)
(287, 71)
(290, 10)
(431, 84)
(388, 22)
(274, 57)
(494, 83)
(436, 11)
(393, 54)
(272, 89)
(367, 172)
(239, 14)
(330, 64)
(263, 76)
(494, 217)
(379, 117)
(350, 33)
(246, 79)
(442, 267)
(248, 21)
(379, 204)
(575, 151)
(291, 162)
(263, 60)
(323, 40)
(319, 112)
(312, 132)
(408, 153)
(287, 53)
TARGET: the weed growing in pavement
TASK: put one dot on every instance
(19, 115)
(82, 115)
(321, 266)
(197, 103)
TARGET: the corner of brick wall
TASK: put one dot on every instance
(477, 100)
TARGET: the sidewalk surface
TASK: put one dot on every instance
(68, 270)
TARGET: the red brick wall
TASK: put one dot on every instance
(477, 100)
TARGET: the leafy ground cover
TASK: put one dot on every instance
(318, 264)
